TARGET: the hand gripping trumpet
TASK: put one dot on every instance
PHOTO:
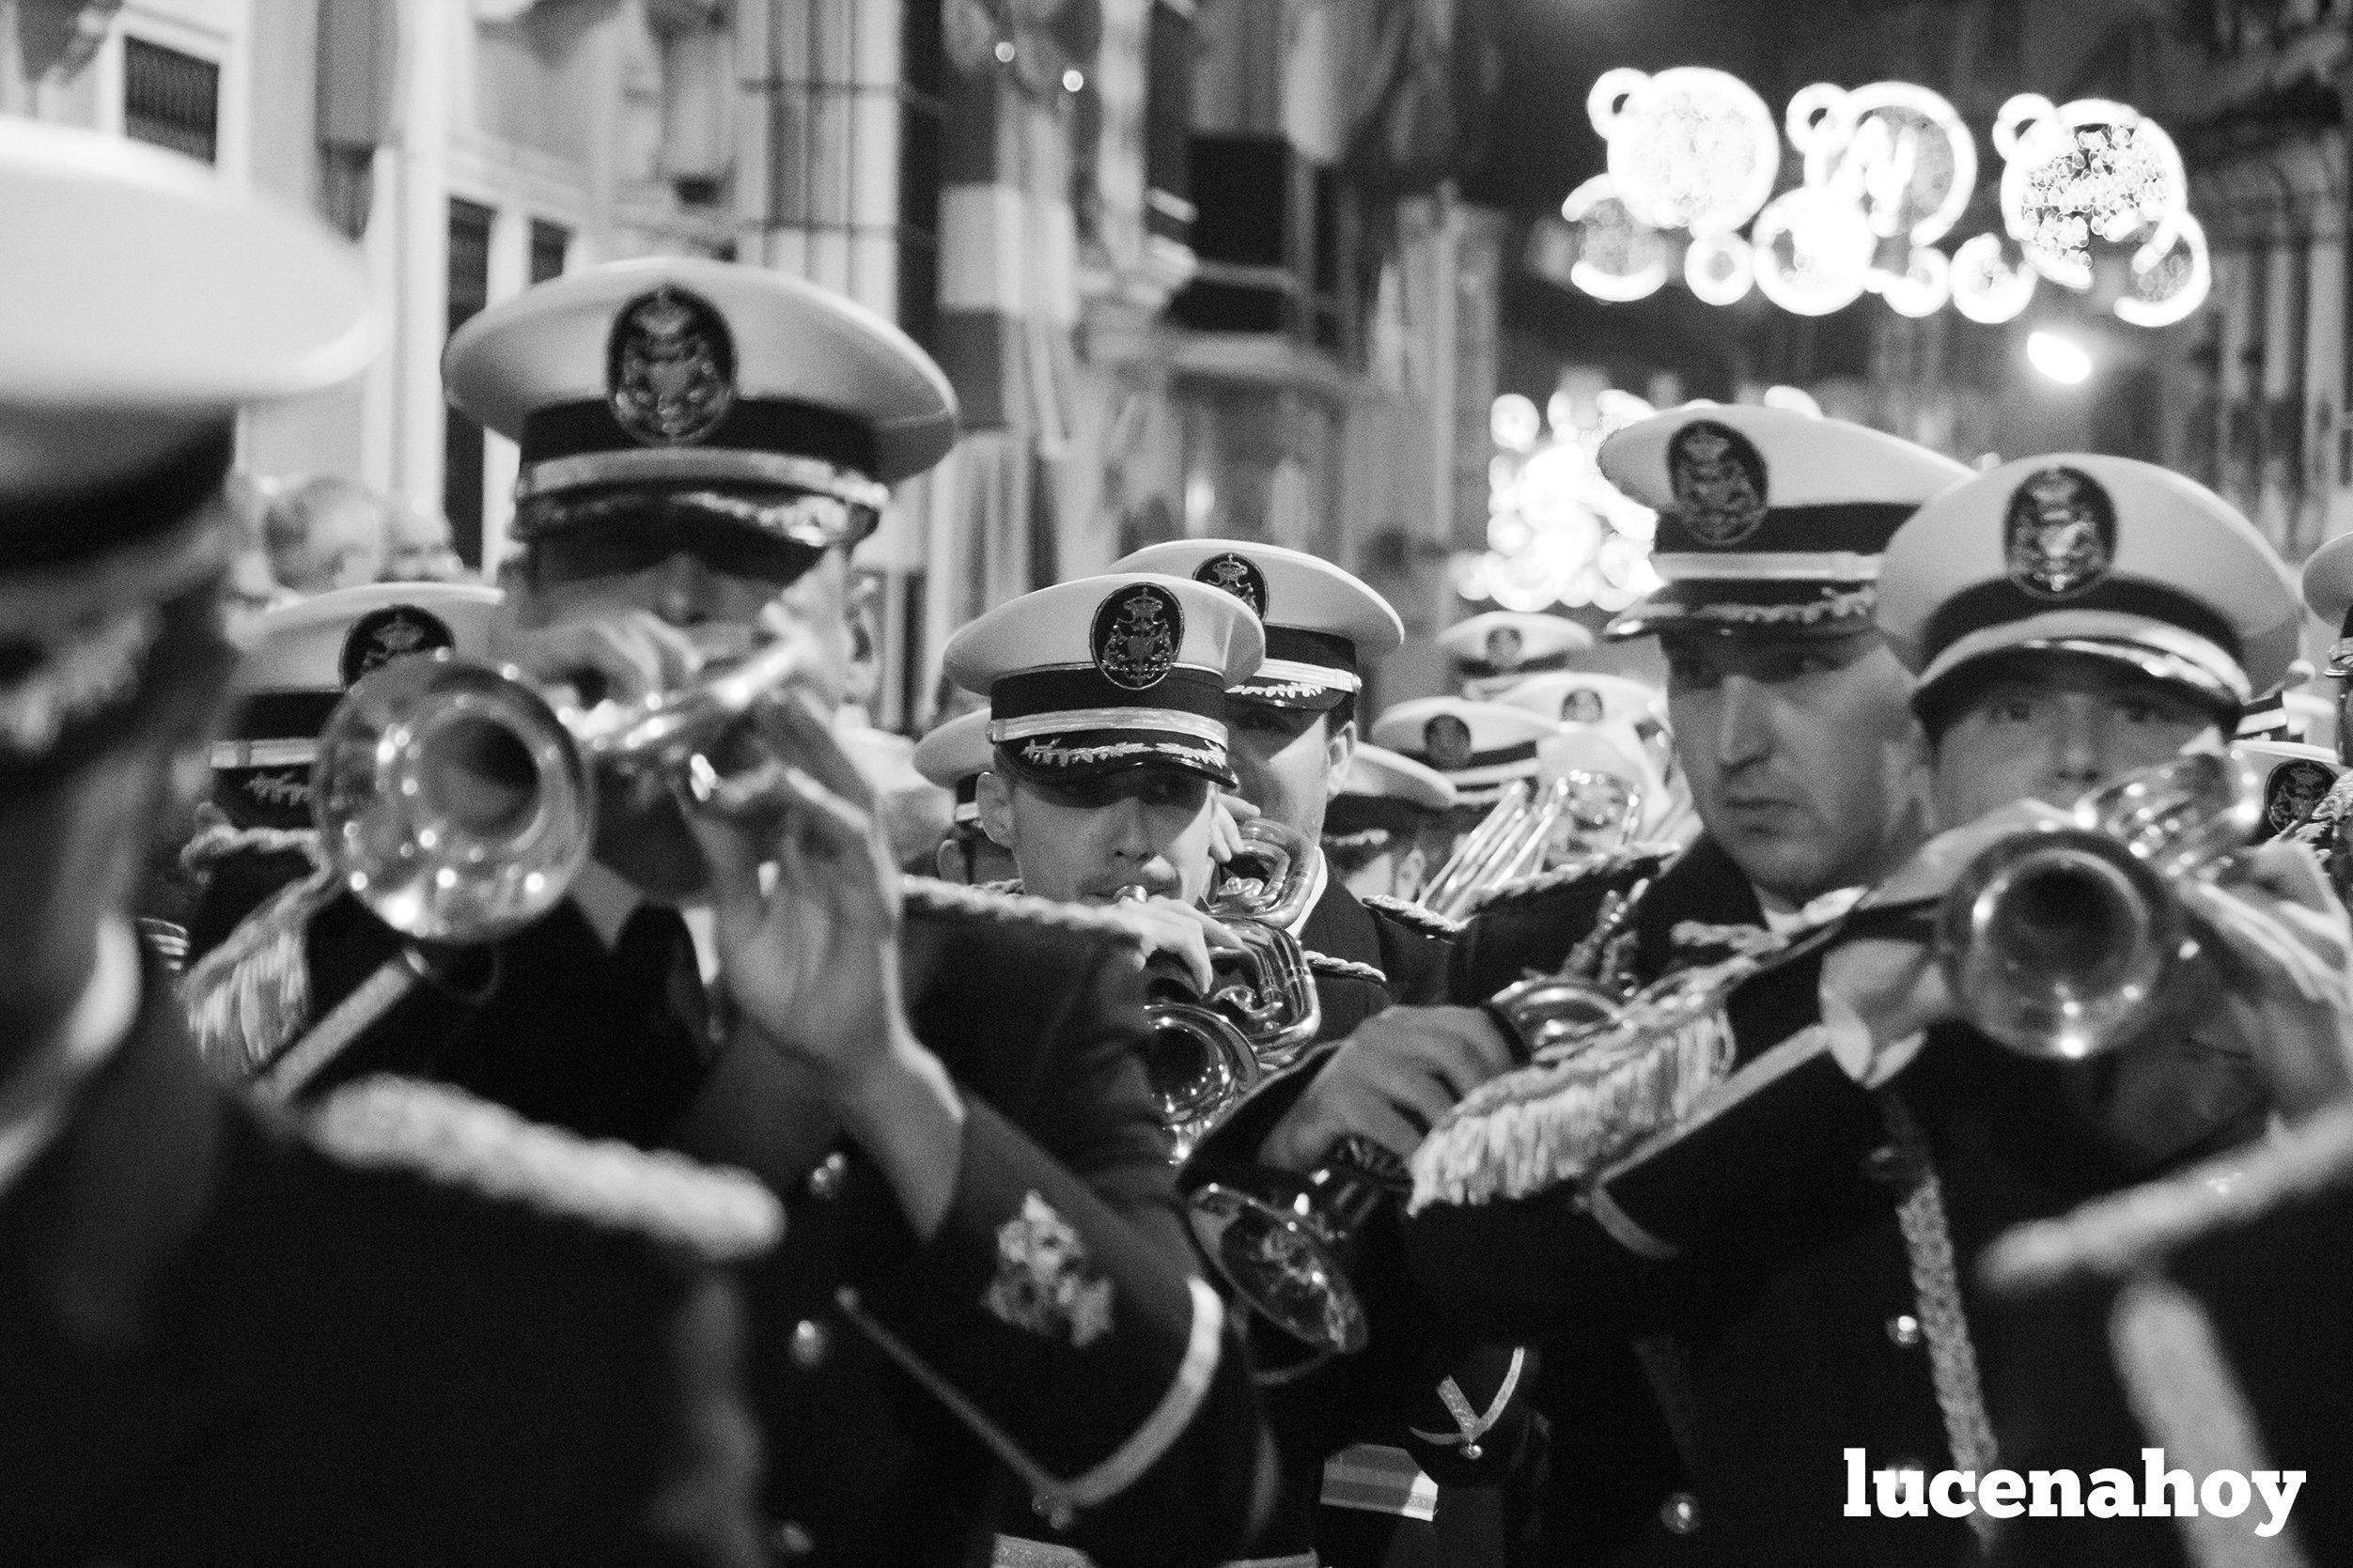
(1289, 1244)
(1208, 1051)
(457, 801)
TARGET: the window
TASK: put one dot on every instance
(170, 99)
(462, 446)
(922, 115)
(550, 243)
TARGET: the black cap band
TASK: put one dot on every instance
(90, 522)
(1183, 690)
(1846, 527)
(1991, 604)
(754, 424)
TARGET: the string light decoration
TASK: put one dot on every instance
(1690, 148)
(1888, 170)
(1557, 532)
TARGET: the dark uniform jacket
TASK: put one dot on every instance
(1373, 957)
(1053, 1341)
(222, 1343)
(1756, 1258)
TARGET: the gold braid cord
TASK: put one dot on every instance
(1937, 1286)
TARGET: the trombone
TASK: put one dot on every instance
(459, 802)
(1583, 811)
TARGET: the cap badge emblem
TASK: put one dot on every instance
(2294, 788)
(1136, 635)
(1447, 741)
(1720, 483)
(1233, 574)
(670, 368)
(2059, 533)
(1581, 706)
(1504, 646)
(396, 631)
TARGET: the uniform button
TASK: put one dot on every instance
(827, 1179)
(1885, 1165)
(811, 1343)
(1680, 1513)
(1903, 1330)
(788, 1541)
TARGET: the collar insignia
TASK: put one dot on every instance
(1137, 632)
(1720, 483)
(2059, 533)
(670, 369)
(395, 632)
(1237, 576)
(2294, 788)
(1447, 741)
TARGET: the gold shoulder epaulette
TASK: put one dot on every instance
(248, 999)
(932, 895)
(1347, 969)
(2117, 1235)
(450, 1136)
(1428, 922)
(1634, 859)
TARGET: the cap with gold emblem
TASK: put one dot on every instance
(1499, 648)
(1098, 676)
(1590, 697)
(1479, 747)
(1384, 794)
(1768, 518)
(2080, 552)
(742, 397)
(954, 756)
(2295, 778)
(120, 386)
(1321, 623)
(301, 660)
(2328, 594)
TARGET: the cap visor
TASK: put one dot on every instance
(1082, 756)
(1783, 609)
(2174, 669)
(1303, 695)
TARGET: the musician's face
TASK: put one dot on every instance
(1289, 760)
(1802, 752)
(1147, 828)
(2054, 727)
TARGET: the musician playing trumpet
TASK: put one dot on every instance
(1796, 1248)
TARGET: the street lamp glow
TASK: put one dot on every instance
(2059, 357)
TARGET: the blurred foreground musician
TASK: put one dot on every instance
(225, 1340)
(989, 1295)
(1804, 1233)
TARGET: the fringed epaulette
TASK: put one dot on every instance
(1428, 922)
(2112, 1237)
(218, 841)
(1347, 969)
(1635, 860)
(1577, 1106)
(928, 895)
(249, 998)
(449, 1136)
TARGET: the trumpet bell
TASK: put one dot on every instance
(1545, 1011)
(2058, 943)
(1199, 1066)
(451, 800)
(1287, 1255)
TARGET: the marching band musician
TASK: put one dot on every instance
(416, 1330)
(1380, 822)
(1790, 719)
(1802, 1237)
(2327, 591)
(954, 756)
(989, 1291)
(1497, 649)
(1480, 748)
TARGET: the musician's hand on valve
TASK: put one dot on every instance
(1881, 991)
(1185, 934)
(1392, 1079)
(1227, 814)
(625, 657)
(2282, 948)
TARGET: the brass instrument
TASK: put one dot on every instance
(457, 801)
(2060, 941)
(1288, 1244)
(1581, 812)
(1206, 1052)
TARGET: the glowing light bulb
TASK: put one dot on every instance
(2059, 357)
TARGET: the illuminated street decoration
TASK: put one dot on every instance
(1718, 269)
(1690, 148)
(1557, 532)
(1814, 249)
(1900, 148)
(1987, 285)
(2094, 169)
(1619, 257)
(2171, 276)
(1920, 289)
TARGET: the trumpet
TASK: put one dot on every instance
(1582, 812)
(2062, 941)
(1208, 1051)
(457, 801)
